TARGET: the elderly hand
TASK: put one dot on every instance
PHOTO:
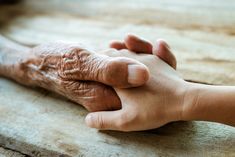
(75, 72)
(86, 77)
(82, 75)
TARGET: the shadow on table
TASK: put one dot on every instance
(181, 137)
(167, 140)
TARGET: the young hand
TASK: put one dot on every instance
(158, 102)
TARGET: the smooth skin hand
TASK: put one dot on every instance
(164, 98)
(138, 45)
(145, 107)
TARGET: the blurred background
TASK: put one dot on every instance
(201, 33)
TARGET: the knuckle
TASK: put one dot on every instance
(113, 69)
(123, 122)
(73, 87)
(82, 90)
(97, 100)
(62, 83)
(89, 107)
(74, 63)
(89, 65)
(91, 104)
(126, 120)
(102, 98)
(100, 122)
(96, 67)
(87, 95)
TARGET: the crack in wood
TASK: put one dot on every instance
(11, 152)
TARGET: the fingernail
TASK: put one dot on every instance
(137, 74)
(88, 120)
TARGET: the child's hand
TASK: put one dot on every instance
(158, 102)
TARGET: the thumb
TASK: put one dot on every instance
(162, 50)
(121, 72)
(105, 120)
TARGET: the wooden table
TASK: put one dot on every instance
(9, 153)
(36, 122)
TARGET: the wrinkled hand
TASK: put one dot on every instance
(158, 102)
(81, 75)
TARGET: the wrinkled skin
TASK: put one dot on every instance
(71, 70)
(84, 76)
(76, 72)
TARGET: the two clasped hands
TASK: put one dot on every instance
(131, 86)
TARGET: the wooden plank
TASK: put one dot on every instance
(184, 14)
(39, 123)
(9, 153)
(36, 122)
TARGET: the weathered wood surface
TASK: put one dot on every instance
(40, 123)
(9, 153)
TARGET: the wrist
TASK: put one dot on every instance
(11, 64)
(11, 54)
(209, 103)
(181, 100)
(15, 71)
(192, 107)
(189, 98)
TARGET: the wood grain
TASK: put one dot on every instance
(9, 153)
(39, 123)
